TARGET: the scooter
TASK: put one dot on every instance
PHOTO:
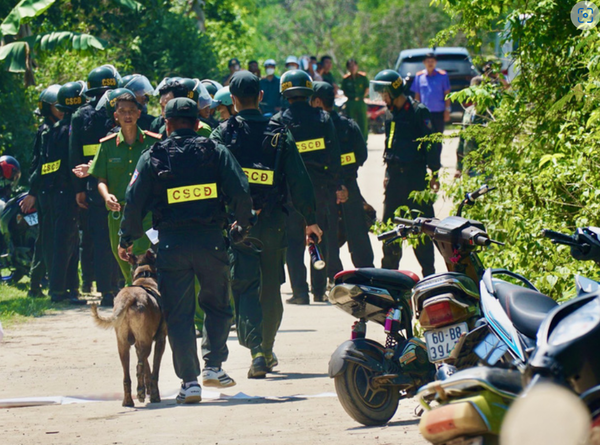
(18, 232)
(473, 402)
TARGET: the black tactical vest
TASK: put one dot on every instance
(188, 187)
(54, 168)
(309, 128)
(95, 126)
(258, 146)
(342, 130)
(401, 132)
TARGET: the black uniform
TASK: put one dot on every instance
(88, 126)
(145, 121)
(354, 154)
(38, 264)
(270, 159)
(185, 182)
(57, 201)
(316, 141)
(406, 172)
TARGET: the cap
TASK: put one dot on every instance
(323, 90)
(233, 61)
(270, 62)
(181, 107)
(292, 59)
(244, 84)
(430, 55)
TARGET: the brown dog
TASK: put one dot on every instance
(137, 319)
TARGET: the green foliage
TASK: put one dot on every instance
(15, 304)
(372, 31)
(539, 147)
(22, 13)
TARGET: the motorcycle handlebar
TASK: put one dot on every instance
(404, 221)
(560, 238)
(388, 235)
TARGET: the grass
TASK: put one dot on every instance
(16, 306)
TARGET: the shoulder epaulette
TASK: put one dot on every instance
(110, 136)
(442, 71)
(421, 72)
(152, 134)
(347, 75)
(362, 73)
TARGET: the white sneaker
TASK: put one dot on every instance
(189, 393)
(216, 378)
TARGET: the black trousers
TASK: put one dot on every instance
(59, 235)
(106, 268)
(86, 247)
(329, 247)
(357, 232)
(38, 265)
(438, 124)
(256, 283)
(401, 182)
(183, 256)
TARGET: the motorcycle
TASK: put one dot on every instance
(371, 378)
(18, 232)
(468, 314)
(376, 111)
(473, 402)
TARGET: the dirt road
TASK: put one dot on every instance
(65, 354)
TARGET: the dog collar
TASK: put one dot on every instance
(146, 274)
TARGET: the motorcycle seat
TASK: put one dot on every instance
(373, 276)
(526, 308)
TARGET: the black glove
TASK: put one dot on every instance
(238, 234)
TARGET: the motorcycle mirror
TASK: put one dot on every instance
(547, 415)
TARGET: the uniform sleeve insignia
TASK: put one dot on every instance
(109, 137)
(134, 177)
(152, 134)
(428, 123)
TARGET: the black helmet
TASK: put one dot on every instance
(389, 81)
(70, 96)
(48, 98)
(167, 85)
(296, 83)
(140, 85)
(126, 79)
(101, 79)
(109, 100)
(10, 171)
(211, 86)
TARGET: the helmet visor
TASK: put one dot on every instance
(103, 101)
(204, 99)
(377, 88)
(140, 85)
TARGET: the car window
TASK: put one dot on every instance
(454, 64)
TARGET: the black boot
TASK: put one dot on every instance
(298, 299)
(258, 369)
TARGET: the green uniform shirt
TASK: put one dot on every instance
(203, 130)
(354, 87)
(115, 161)
(328, 77)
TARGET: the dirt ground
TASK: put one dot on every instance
(65, 354)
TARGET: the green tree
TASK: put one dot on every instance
(541, 146)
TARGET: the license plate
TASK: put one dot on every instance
(31, 219)
(466, 441)
(441, 342)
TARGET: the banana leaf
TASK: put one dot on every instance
(23, 13)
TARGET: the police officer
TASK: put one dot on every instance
(185, 182)
(354, 155)
(225, 104)
(207, 115)
(115, 163)
(142, 88)
(407, 161)
(88, 126)
(269, 157)
(46, 109)
(184, 87)
(356, 86)
(316, 141)
(57, 200)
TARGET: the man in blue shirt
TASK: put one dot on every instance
(431, 86)
(271, 102)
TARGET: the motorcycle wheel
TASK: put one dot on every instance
(365, 404)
